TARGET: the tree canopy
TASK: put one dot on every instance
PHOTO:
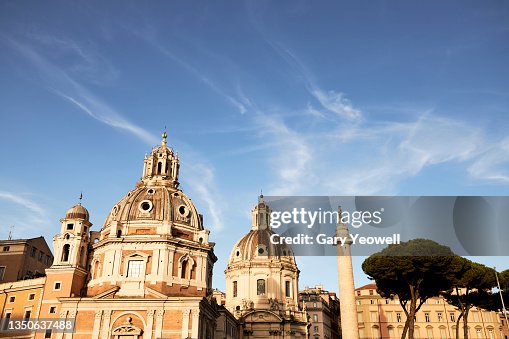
(414, 271)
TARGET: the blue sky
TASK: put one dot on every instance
(292, 97)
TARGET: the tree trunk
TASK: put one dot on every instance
(411, 319)
(465, 324)
(458, 326)
(405, 329)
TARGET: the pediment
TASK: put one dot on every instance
(108, 294)
(259, 316)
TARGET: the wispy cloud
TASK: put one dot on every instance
(59, 82)
(291, 156)
(201, 181)
(25, 215)
(337, 103)
(23, 201)
(150, 36)
(493, 163)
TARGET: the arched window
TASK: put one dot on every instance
(166, 168)
(65, 252)
(183, 269)
(96, 269)
(119, 233)
(159, 167)
(260, 287)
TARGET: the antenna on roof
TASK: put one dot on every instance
(10, 232)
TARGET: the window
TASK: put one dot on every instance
(475, 315)
(234, 289)
(391, 332)
(429, 332)
(57, 286)
(260, 287)
(53, 309)
(426, 317)
(440, 316)
(359, 317)
(387, 301)
(374, 316)
(47, 334)
(2, 272)
(478, 333)
(135, 268)
(443, 333)
(315, 318)
(371, 301)
(6, 320)
(32, 253)
(184, 269)
(358, 293)
(28, 313)
(376, 333)
(31, 296)
(40, 256)
(7, 248)
(389, 316)
(437, 301)
(12, 299)
(316, 328)
(65, 252)
(314, 304)
(287, 289)
(398, 317)
(70, 227)
(370, 292)
(452, 317)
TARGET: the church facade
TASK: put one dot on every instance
(262, 284)
(146, 274)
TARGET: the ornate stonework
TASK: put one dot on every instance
(262, 283)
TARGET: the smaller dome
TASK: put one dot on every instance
(77, 212)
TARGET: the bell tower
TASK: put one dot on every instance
(161, 166)
(71, 244)
(260, 215)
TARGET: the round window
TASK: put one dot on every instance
(261, 250)
(183, 210)
(145, 206)
(150, 191)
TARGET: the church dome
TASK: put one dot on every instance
(155, 203)
(77, 212)
(257, 245)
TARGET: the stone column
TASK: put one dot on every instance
(97, 324)
(150, 323)
(159, 323)
(194, 329)
(348, 308)
(106, 324)
(185, 323)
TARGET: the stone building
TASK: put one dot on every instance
(23, 258)
(323, 310)
(381, 318)
(262, 283)
(146, 274)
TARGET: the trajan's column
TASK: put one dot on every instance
(349, 326)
